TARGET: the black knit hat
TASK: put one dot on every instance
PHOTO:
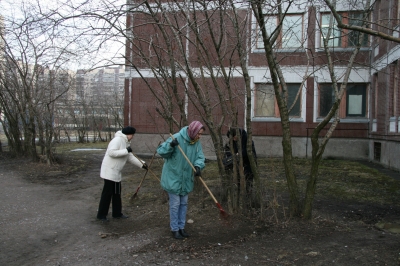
(231, 132)
(128, 130)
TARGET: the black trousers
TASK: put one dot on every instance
(111, 192)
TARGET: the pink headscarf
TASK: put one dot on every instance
(194, 129)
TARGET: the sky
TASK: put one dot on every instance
(96, 48)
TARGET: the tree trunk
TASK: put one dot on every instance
(312, 181)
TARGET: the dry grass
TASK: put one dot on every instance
(338, 179)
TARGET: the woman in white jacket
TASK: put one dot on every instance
(118, 152)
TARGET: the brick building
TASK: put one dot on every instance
(384, 131)
(369, 119)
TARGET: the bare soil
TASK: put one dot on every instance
(48, 217)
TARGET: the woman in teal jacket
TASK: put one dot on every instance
(177, 175)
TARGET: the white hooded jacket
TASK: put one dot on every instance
(116, 157)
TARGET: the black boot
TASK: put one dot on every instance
(183, 233)
(177, 235)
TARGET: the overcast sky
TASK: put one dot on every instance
(104, 52)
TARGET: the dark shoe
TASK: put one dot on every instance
(183, 233)
(122, 217)
(177, 235)
(104, 220)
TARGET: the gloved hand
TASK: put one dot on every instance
(129, 149)
(198, 172)
(144, 166)
(174, 143)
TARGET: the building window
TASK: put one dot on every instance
(377, 151)
(398, 13)
(356, 100)
(333, 34)
(265, 103)
(356, 19)
(353, 104)
(326, 98)
(291, 35)
(293, 91)
(342, 38)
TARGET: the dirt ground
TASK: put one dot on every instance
(48, 217)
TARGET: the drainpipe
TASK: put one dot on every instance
(247, 62)
(389, 68)
(130, 35)
(371, 88)
(187, 56)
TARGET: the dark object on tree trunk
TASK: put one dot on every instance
(228, 162)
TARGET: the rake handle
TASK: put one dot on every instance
(194, 169)
(147, 167)
(141, 181)
(209, 191)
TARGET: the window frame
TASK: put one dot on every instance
(344, 38)
(279, 42)
(344, 104)
(276, 115)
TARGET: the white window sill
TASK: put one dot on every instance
(281, 50)
(340, 49)
(275, 119)
(348, 120)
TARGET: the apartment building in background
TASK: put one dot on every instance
(100, 83)
(94, 102)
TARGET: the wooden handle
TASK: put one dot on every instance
(194, 169)
(209, 191)
(147, 167)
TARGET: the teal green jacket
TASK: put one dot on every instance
(177, 175)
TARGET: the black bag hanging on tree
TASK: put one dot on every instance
(228, 162)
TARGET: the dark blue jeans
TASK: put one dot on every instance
(177, 211)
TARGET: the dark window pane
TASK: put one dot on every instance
(356, 19)
(293, 89)
(326, 99)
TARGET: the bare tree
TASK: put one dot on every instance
(192, 56)
(38, 47)
(385, 25)
(196, 52)
(300, 207)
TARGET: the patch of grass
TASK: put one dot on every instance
(66, 147)
(339, 179)
(211, 171)
(66, 160)
(350, 180)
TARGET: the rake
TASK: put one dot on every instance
(148, 168)
(202, 181)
